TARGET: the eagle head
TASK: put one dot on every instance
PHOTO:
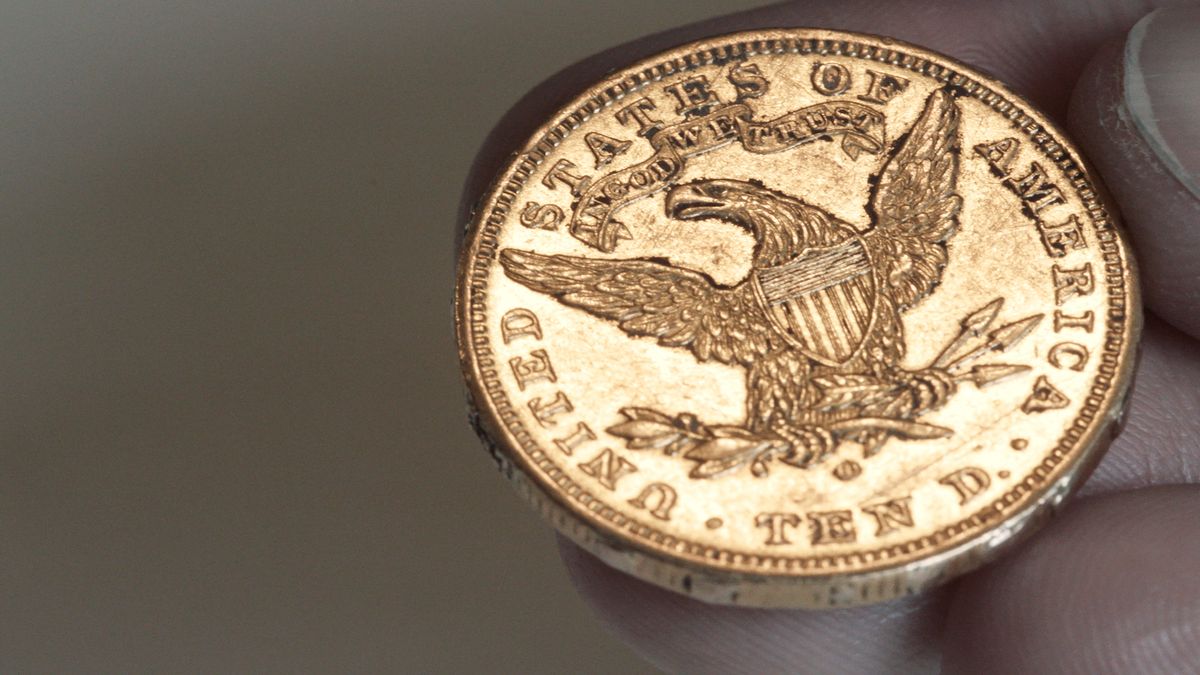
(733, 201)
(782, 226)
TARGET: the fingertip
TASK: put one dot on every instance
(1162, 89)
(1008, 48)
(1108, 588)
(1160, 213)
(1158, 443)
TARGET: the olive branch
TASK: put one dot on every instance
(719, 449)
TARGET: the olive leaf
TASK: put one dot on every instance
(723, 448)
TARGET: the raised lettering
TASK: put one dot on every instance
(830, 79)
(693, 96)
(891, 515)
(1075, 353)
(533, 369)
(638, 112)
(563, 171)
(1069, 283)
(541, 216)
(999, 154)
(883, 88)
(1044, 397)
(968, 482)
(831, 527)
(581, 435)
(608, 468)
(1062, 238)
(777, 524)
(748, 81)
(1083, 322)
(1035, 189)
(658, 498)
(686, 138)
(519, 322)
(546, 412)
(605, 148)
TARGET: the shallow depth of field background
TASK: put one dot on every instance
(231, 429)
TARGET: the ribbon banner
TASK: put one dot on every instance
(860, 127)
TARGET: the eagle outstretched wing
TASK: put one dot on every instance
(914, 205)
(680, 307)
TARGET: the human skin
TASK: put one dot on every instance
(1111, 586)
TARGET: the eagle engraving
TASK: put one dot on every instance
(816, 322)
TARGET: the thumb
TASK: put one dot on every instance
(1135, 113)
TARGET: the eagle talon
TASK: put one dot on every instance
(816, 324)
(808, 444)
(931, 387)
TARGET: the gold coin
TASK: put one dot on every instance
(797, 318)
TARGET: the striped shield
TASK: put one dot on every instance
(822, 301)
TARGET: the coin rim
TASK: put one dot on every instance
(773, 580)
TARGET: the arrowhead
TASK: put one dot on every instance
(979, 320)
(1008, 335)
(973, 325)
(622, 231)
(1000, 340)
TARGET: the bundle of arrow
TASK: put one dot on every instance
(972, 342)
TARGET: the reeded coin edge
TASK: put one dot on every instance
(988, 527)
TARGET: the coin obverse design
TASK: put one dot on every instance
(796, 318)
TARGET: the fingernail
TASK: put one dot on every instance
(1162, 89)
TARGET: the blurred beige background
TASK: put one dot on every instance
(231, 430)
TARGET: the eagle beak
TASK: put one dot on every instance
(692, 202)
